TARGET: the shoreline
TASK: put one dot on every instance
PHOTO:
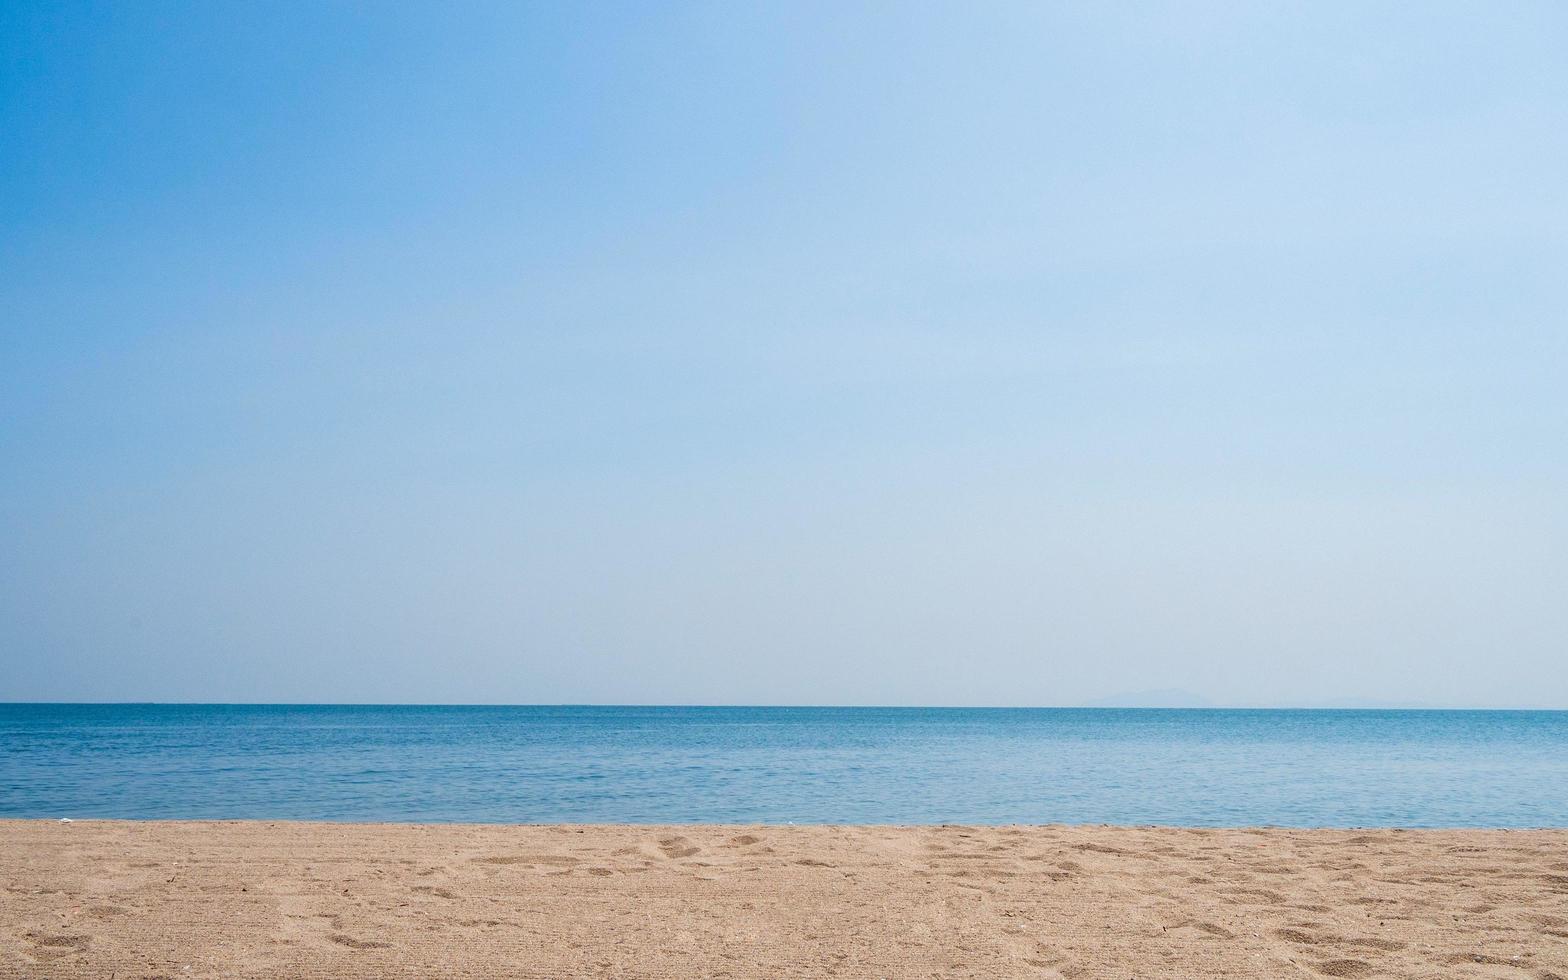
(93, 897)
(617, 824)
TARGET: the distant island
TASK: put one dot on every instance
(1175, 697)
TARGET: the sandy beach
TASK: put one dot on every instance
(251, 899)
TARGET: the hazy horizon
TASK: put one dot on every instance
(804, 354)
(1111, 703)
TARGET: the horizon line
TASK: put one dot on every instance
(801, 706)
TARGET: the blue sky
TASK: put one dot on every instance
(711, 353)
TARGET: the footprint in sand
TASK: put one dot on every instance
(1099, 849)
(1299, 936)
(677, 847)
(50, 946)
(1050, 968)
(1385, 945)
(557, 860)
(1191, 926)
(1305, 937)
(1460, 959)
(1252, 896)
(353, 943)
(1343, 968)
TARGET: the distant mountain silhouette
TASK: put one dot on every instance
(1378, 703)
(1175, 697)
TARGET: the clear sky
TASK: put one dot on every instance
(789, 353)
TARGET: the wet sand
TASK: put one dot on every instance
(197, 899)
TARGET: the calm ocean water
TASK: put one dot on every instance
(808, 765)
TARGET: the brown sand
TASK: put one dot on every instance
(125, 900)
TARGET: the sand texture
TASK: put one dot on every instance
(129, 900)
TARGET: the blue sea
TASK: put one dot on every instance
(775, 765)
